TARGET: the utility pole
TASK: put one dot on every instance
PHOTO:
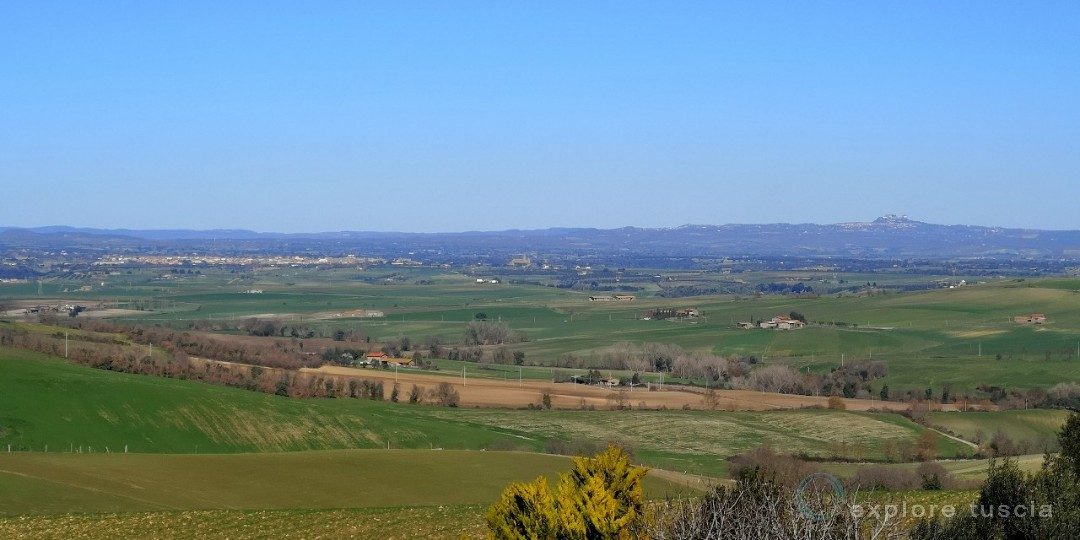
(65, 344)
(841, 359)
(519, 376)
(462, 374)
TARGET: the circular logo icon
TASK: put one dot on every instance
(819, 495)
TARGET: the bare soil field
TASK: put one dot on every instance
(483, 392)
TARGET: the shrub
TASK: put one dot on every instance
(601, 497)
(880, 477)
(836, 402)
(784, 469)
(446, 395)
(932, 475)
(416, 394)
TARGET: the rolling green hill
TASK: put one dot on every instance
(48, 402)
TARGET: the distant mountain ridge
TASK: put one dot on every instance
(889, 236)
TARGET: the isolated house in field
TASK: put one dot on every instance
(624, 297)
(601, 298)
(1031, 318)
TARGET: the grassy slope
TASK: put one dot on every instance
(46, 401)
(1034, 425)
(48, 483)
(699, 442)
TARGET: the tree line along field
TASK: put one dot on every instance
(48, 402)
(927, 338)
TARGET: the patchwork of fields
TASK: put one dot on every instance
(210, 459)
(937, 337)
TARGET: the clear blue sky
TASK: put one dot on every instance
(436, 116)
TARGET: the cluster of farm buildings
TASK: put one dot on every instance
(779, 322)
(379, 359)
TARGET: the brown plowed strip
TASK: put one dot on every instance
(484, 392)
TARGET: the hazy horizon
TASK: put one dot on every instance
(542, 228)
(486, 116)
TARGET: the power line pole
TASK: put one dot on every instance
(65, 344)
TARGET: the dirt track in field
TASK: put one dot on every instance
(485, 392)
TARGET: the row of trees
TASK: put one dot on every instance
(172, 361)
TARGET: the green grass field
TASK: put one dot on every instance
(699, 442)
(1034, 426)
(32, 483)
(46, 401)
